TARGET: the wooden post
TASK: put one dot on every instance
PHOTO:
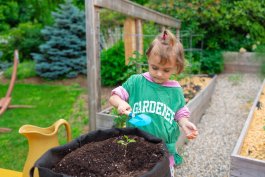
(93, 62)
(177, 34)
(129, 38)
(139, 36)
(133, 37)
(139, 41)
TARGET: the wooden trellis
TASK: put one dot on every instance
(128, 8)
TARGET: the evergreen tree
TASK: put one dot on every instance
(64, 53)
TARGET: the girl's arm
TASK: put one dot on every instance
(119, 103)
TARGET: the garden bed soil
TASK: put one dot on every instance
(254, 142)
(248, 156)
(112, 159)
(192, 85)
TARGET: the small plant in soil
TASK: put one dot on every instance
(125, 141)
(106, 158)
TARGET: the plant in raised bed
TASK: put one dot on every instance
(248, 157)
(194, 84)
(254, 142)
(119, 120)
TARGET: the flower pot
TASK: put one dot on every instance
(247, 158)
(84, 156)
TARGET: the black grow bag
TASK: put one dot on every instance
(49, 159)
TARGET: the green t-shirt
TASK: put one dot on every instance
(160, 103)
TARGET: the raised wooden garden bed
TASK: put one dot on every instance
(247, 62)
(248, 156)
(196, 105)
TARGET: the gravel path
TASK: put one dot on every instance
(219, 128)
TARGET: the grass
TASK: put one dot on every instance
(50, 104)
(24, 70)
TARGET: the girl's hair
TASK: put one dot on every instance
(167, 46)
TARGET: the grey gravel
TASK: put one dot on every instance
(209, 154)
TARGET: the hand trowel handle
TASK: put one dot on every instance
(128, 113)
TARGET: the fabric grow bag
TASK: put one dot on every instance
(49, 159)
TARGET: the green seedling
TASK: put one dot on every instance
(120, 120)
(126, 140)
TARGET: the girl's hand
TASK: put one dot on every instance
(124, 106)
(189, 128)
(120, 104)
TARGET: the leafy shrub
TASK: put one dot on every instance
(24, 70)
(113, 65)
(261, 53)
(192, 63)
(9, 14)
(212, 62)
(225, 24)
(113, 69)
(26, 38)
(137, 64)
(5, 65)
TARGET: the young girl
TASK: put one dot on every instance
(153, 94)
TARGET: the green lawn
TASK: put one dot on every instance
(50, 104)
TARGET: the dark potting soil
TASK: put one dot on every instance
(112, 159)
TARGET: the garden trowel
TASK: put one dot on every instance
(138, 120)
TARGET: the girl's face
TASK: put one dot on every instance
(161, 73)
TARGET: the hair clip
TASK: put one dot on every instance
(164, 35)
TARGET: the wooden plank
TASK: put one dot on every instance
(133, 38)
(129, 38)
(243, 133)
(208, 90)
(247, 62)
(139, 36)
(135, 10)
(246, 167)
(241, 165)
(104, 119)
(93, 62)
(14, 74)
(244, 68)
